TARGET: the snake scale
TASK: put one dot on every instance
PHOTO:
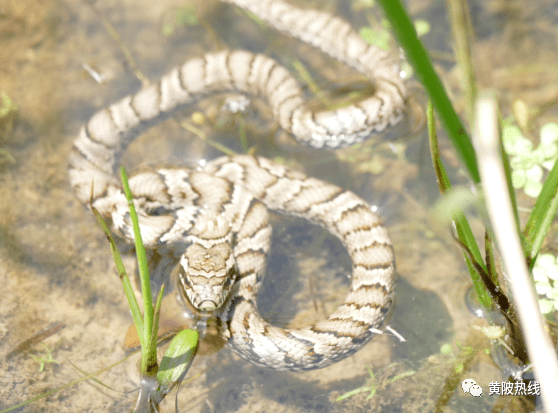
(219, 210)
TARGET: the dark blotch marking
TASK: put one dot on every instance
(363, 338)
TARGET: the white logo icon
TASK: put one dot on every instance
(470, 386)
(475, 390)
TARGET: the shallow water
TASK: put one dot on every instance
(55, 264)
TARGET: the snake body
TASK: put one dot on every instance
(220, 210)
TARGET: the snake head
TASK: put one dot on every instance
(207, 275)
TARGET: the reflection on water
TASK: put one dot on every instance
(56, 268)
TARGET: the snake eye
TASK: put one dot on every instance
(183, 278)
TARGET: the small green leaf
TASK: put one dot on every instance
(353, 392)
(363, 4)
(177, 357)
(6, 105)
(370, 372)
(182, 16)
(546, 306)
(386, 23)
(532, 189)
(549, 133)
(552, 273)
(549, 265)
(422, 27)
(548, 150)
(540, 274)
(401, 376)
(375, 37)
(525, 161)
(546, 261)
(518, 178)
(406, 70)
(446, 349)
(543, 287)
(187, 15)
(542, 215)
(534, 174)
(514, 141)
(549, 164)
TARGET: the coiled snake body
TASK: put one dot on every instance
(220, 210)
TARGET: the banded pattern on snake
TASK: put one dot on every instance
(220, 210)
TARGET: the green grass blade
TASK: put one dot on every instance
(372, 393)
(126, 284)
(511, 190)
(144, 276)
(419, 58)
(355, 391)
(401, 376)
(489, 258)
(99, 382)
(542, 215)
(151, 349)
(462, 227)
(157, 311)
(444, 184)
(459, 17)
(370, 372)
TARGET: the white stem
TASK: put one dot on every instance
(539, 346)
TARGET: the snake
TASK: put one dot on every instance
(216, 212)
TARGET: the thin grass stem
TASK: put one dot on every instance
(539, 346)
(418, 57)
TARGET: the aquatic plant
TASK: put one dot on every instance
(518, 247)
(156, 381)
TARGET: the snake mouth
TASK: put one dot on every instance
(207, 306)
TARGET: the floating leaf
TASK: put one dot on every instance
(177, 357)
